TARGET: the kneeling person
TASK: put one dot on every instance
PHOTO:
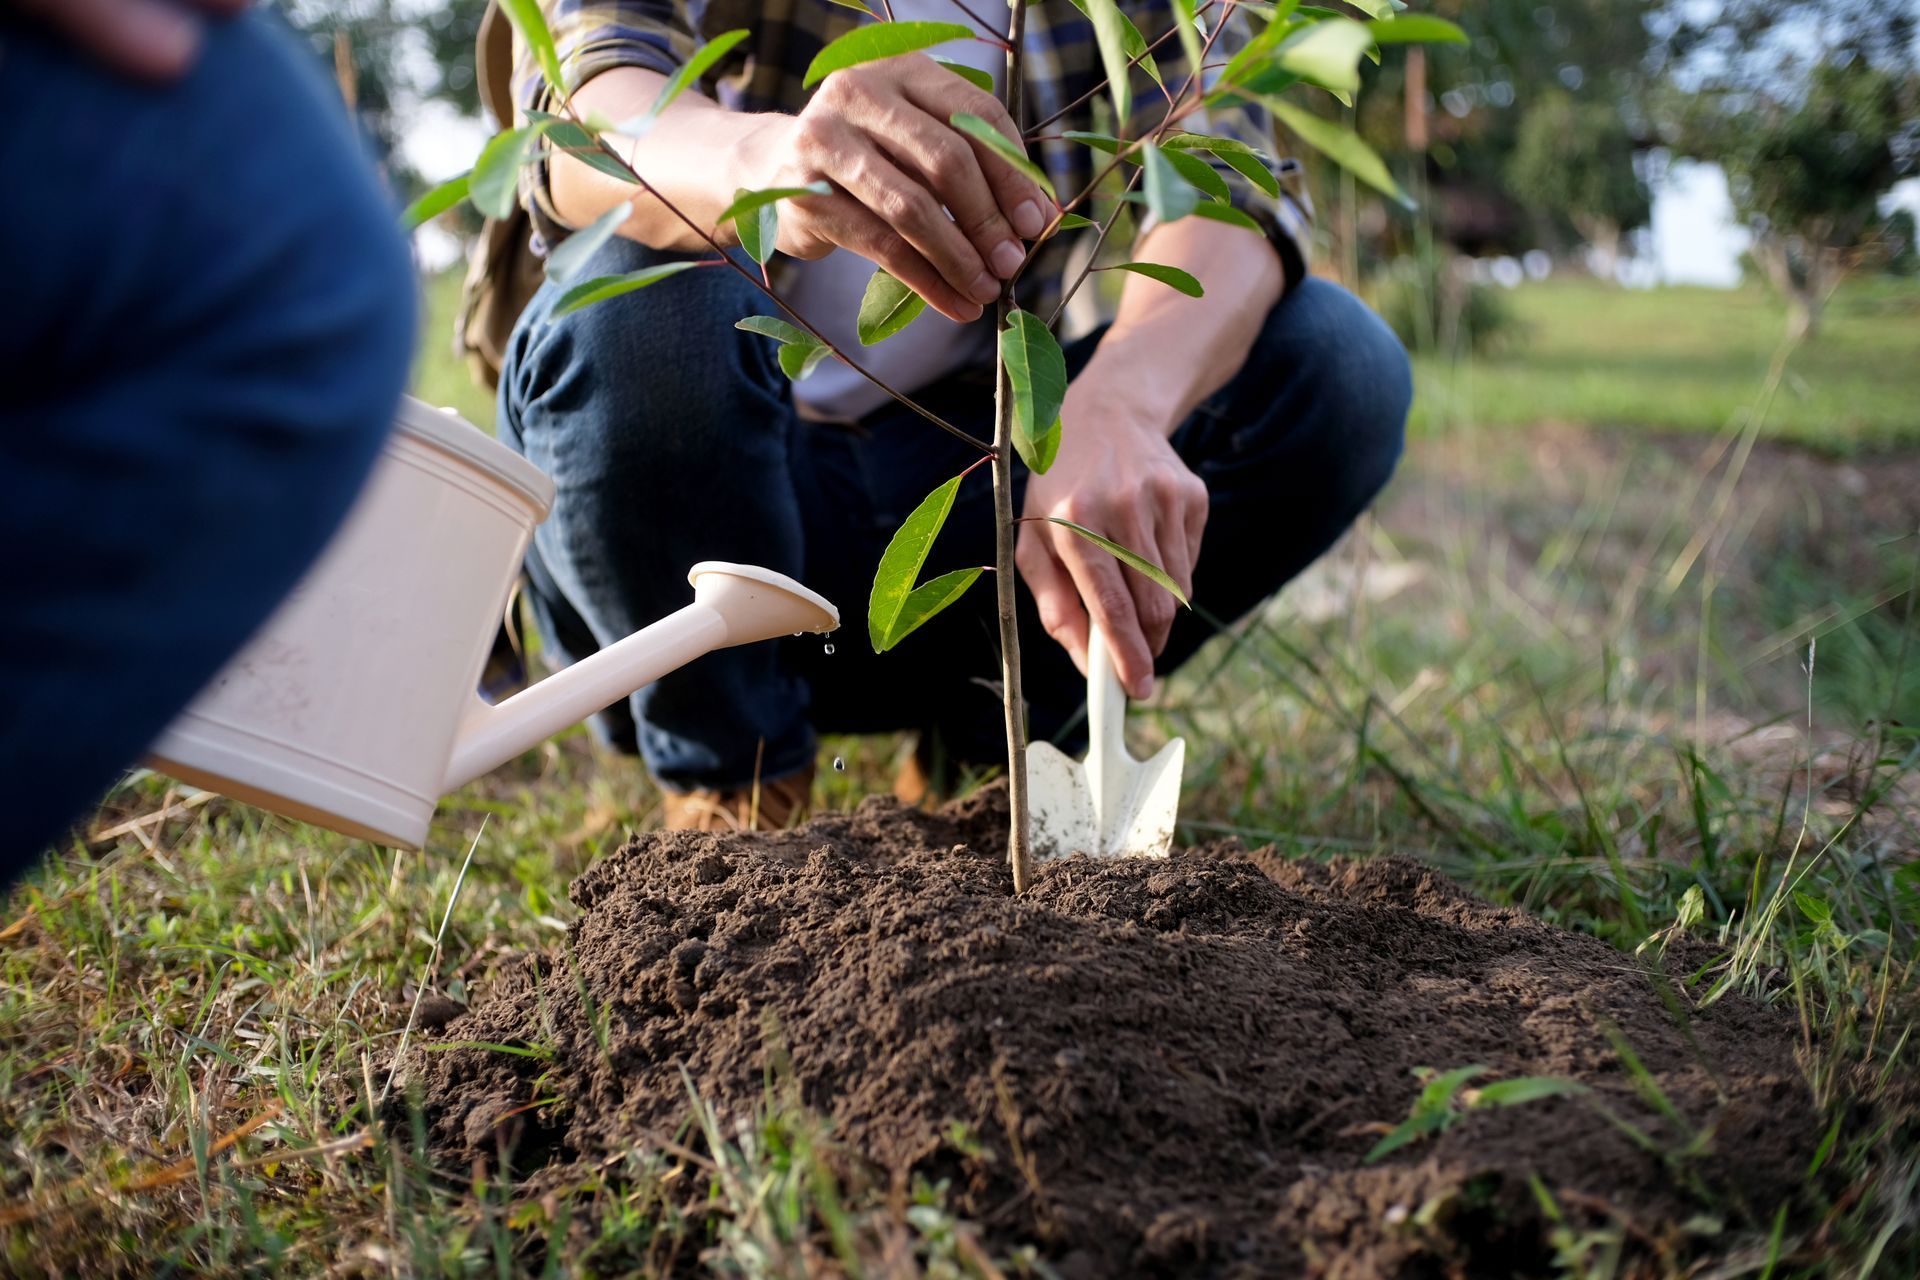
(1256, 422)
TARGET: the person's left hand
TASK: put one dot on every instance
(1118, 475)
(151, 39)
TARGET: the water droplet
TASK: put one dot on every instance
(839, 765)
(828, 650)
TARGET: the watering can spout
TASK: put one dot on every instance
(733, 604)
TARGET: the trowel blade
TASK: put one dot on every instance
(1059, 804)
(1143, 826)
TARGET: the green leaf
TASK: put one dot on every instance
(901, 563)
(1132, 559)
(1170, 197)
(799, 350)
(759, 231)
(1037, 373)
(1132, 43)
(1199, 173)
(532, 25)
(856, 5)
(1413, 1127)
(758, 228)
(1440, 1088)
(881, 40)
(1099, 142)
(887, 308)
(1073, 222)
(1814, 909)
(797, 359)
(1511, 1093)
(1415, 28)
(972, 75)
(685, 77)
(744, 200)
(929, 598)
(1254, 53)
(1339, 144)
(1164, 274)
(1236, 153)
(775, 327)
(584, 147)
(569, 257)
(1327, 53)
(1009, 150)
(1188, 30)
(600, 288)
(1045, 449)
(1231, 216)
(494, 184)
(1110, 34)
(435, 202)
(1431, 1112)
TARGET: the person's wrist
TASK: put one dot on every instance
(1119, 403)
(1127, 390)
(751, 160)
(748, 162)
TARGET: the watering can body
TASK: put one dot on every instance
(354, 707)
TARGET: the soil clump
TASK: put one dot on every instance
(1144, 1068)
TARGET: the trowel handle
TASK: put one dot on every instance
(1106, 700)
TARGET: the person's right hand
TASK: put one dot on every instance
(879, 133)
(151, 39)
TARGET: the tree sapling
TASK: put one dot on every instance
(1169, 171)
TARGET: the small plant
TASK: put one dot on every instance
(1446, 1098)
(1172, 172)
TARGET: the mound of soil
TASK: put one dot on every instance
(1163, 1067)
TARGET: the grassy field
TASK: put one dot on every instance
(1633, 684)
(1691, 360)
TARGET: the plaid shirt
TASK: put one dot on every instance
(764, 72)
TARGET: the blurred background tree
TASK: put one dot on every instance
(392, 58)
(1574, 164)
(1813, 109)
(1592, 57)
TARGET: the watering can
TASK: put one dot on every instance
(354, 708)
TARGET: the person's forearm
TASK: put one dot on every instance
(685, 157)
(1166, 352)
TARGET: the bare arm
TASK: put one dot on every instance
(1116, 473)
(940, 211)
(1166, 352)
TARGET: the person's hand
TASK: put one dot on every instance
(880, 133)
(1118, 475)
(152, 39)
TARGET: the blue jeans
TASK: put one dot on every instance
(672, 438)
(208, 321)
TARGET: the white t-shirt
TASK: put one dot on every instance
(828, 291)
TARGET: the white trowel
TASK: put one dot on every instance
(1111, 806)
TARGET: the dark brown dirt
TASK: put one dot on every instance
(1172, 1068)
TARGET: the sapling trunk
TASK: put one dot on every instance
(1006, 576)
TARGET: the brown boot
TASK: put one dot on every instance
(930, 776)
(912, 786)
(781, 803)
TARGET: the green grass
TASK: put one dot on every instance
(439, 377)
(1590, 696)
(1689, 360)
